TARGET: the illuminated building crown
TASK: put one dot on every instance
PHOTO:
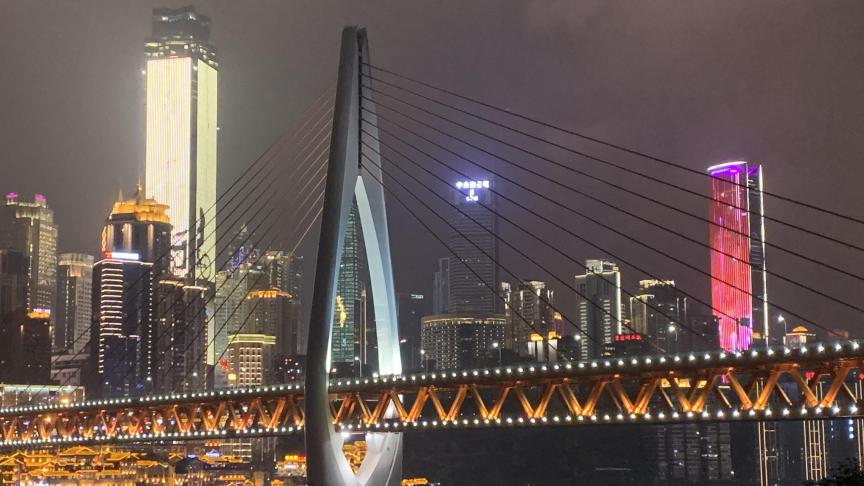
(139, 208)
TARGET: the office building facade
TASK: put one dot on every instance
(29, 228)
(473, 277)
(74, 302)
(25, 342)
(181, 336)
(531, 317)
(181, 104)
(737, 236)
(659, 312)
(135, 244)
(123, 302)
(598, 306)
(348, 336)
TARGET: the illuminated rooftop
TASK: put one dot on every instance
(139, 208)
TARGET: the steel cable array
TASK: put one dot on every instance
(263, 161)
(415, 134)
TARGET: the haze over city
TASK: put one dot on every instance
(544, 184)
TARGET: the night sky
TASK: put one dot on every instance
(774, 82)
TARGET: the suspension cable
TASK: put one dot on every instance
(669, 230)
(594, 220)
(264, 160)
(458, 257)
(613, 185)
(603, 142)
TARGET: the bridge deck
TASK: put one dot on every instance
(819, 380)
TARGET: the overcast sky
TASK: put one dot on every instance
(774, 82)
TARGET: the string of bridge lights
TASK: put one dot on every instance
(508, 373)
(511, 421)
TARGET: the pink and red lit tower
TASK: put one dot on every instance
(737, 234)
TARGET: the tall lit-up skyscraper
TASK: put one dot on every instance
(74, 301)
(656, 312)
(135, 237)
(474, 277)
(737, 233)
(349, 317)
(599, 306)
(29, 228)
(182, 73)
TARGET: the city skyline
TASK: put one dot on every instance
(563, 269)
(119, 74)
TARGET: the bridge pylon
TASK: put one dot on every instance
(326, 464)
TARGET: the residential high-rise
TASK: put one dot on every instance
(29, 228)
(25, 342)
(74, 302)
(737, 233)
(474, 279)
(181, 336)
(531, 316)
(285, 271)
(658, 311)
(459, 341)
(348, 326)
(598, 306)
(136, 236)
(274, 313)
(181, 106)
(231, 307)
(252, 298)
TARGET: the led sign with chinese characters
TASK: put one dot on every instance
(470, 189)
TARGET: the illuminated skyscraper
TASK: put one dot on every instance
(181, 135)
(74, 301)
(347, 341)
(29, 228)
(123, 303)
(532, 302)
(135, 237)
(468, 291)
(738, 286)
(657, 312)
(599, 306)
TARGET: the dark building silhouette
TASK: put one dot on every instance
(25, 339)
(29, 228)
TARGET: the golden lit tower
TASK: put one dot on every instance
(136, 234)
(181, 135)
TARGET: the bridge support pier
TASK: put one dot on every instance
(326, 464)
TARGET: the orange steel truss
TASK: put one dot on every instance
(813, 381)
